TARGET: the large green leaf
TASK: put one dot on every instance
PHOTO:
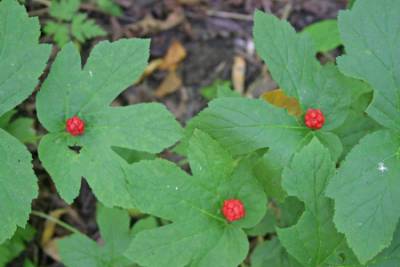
(370, 34)
(22, 59)
(244, 125)
(366, 191)
(291, 60)
(199, 234)
(87, 93)
(78, 250)
(313, 241)
(18, 185)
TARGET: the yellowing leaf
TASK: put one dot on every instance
(279, 99)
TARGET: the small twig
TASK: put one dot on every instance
(229, 15)
(57, 221)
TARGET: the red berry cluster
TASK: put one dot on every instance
(314, 119)
(75, 126)
(233, 210)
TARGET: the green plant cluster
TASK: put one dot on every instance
(313, 198)
(67, 23)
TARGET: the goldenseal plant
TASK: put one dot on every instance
(22, 61)
(366, 189)
(326, 97)
(74, 106)
(315, 184)
(358, 228)
(208, 209)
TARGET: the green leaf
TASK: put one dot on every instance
(132, 156)
(64, 9)
(357, 123)
(84, 29)
(199, 234)
(290, 211)
(271, 253)
(291, 60)
(28, 263)
(114, 230)
(313, 241)
(110, 7)
(369, 33)
(218, 88)
(59, 31)
(350, 3)
(21, 128)
(325, 35)
(390, 256)
(265, 226)
(13, 247)
(268, 171)
(366, 190)
(147, 223)
(87, 93)
(244, 125)
(22, 59)
(18, 185)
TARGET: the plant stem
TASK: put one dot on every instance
(57, 221)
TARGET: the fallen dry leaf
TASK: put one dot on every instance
(239, 74)
(152, 66)
(175, 54)
(149, 25)
(279, 99)
(51, 249)
(50, 226)
(170, 84)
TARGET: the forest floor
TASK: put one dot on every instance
(208, 40)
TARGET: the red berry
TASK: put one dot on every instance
(75, 126)
(314, 118)
(233, 210)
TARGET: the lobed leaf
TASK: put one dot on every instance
(199, 235)
(87, 93)
(369, 32)
(291, 60)
(22, 60)
(313, 241)
(116, 233)
(18, 185)
(366, 190)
